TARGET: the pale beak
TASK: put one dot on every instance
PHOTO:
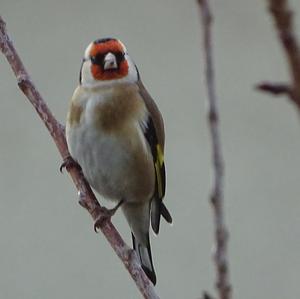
(110, 62)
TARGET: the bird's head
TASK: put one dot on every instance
(107, 62)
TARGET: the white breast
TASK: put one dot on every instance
(107, 160)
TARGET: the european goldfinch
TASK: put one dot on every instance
(115, 132)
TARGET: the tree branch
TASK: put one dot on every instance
(283, 19)
(275, 88)
(217, 196)
(86, 195)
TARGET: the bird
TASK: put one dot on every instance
(115, 132)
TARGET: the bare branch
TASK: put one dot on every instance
(275, 88)
(283, 19)
(87, 197)
(217, 196)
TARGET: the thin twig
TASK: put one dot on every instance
(217, 196)
(283, 19)
(87, 197)
(275, 88)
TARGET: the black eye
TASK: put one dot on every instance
(119, 56)
(98, 59)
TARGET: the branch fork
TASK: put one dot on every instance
(283, 21)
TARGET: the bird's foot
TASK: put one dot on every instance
(105, 215)
(69, 163)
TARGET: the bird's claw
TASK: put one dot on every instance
(68, 163)
(105, 215)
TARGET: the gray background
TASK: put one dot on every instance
(48, 247)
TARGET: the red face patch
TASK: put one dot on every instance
(100, 49)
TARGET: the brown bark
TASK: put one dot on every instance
(283, 21)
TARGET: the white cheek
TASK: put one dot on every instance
(87, 77)
(88, 50)
(132, 72)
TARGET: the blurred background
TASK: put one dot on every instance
(47, 243)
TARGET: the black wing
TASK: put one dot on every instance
(157, 206)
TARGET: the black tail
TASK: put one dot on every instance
(157, 209)
(145, 257)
